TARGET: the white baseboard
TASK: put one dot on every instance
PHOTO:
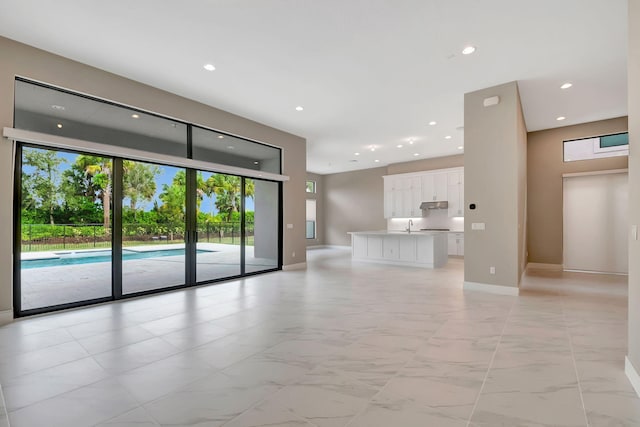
(298, 266)
(632, 374)
(329, 247)
(6, 316)
(316, 246)
(493, 289)
(544, 266)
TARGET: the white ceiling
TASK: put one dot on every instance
(367, 72)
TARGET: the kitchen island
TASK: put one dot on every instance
(426, 249)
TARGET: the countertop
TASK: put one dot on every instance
(400, 233)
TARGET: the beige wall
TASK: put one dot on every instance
(353, 202)
(521, 154)
(426, 164)
(634, 182)
(545, 169)
(493, 145)
(22, 60)
(318, 196)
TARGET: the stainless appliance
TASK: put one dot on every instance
(443, 204)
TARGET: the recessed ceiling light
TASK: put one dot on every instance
(356, 154)
(432, 123)
(220, 136)
(399, 145)
(376, 160)
(230, 147)
(447, 137)
(560, 118)
(468, 50)
(255, 163)
(209, 67)
(411, 141)
(58, 107)
(299, 108)
(135, 116)
(460, 147)
(566, 85)
(373, 148)
(59, 125)
(416, 154)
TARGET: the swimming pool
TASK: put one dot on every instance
(89, 257)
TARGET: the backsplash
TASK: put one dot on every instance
(432, 219)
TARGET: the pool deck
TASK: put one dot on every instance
(46, 286)
(32, 256)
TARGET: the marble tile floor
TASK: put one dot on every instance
(341, 344)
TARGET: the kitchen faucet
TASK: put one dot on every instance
(408, 230)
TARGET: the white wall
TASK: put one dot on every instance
(595, 223)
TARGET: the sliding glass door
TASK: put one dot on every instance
(171, 227)
(129, 213)
(153, 226)
(65, 229)
(218, 226)
(261, 227)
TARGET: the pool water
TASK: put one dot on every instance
(90, 257)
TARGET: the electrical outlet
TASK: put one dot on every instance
(492, 270)
(293, 254)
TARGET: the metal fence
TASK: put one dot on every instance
(47, 237)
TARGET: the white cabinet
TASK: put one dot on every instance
(456, 244)
(455, 186)
(426, 250)
(413, 198)
(434, 187)
(389, 193)
(403, 193)
(402, 196)
(391, 249)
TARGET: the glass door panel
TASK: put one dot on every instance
(218, 226)
(153, 226)
(261, 225)
(66, 218)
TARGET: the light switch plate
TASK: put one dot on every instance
(289, 226)
(477, 225)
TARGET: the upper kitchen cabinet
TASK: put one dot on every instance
(389, 194)
(456, 193)
(404, 193)
(434, 187)
(402, 196)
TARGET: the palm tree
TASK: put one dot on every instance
(99, 170)
(139, 182)
(227, 189)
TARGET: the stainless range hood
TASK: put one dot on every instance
(435, 205)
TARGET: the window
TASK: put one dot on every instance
(597, 147)
(311, 186)
(96, 227)
(311, 219)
